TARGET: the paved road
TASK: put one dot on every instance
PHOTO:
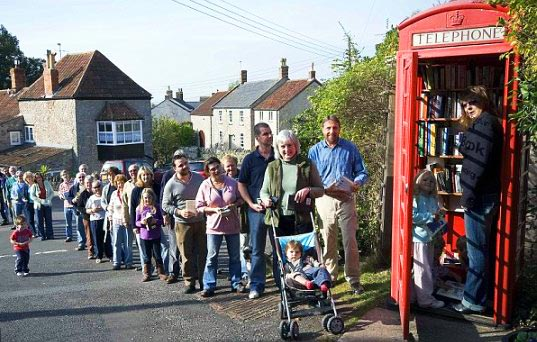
(67, 297)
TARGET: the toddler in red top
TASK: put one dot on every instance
(20, 239)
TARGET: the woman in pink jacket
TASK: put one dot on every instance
(218, 198)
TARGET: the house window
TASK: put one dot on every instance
(29, 134)
(230, 117)
(241, 117)
(220, 118)
(15, 138)
(221, 138)
(119, 132)
(270, 117)
(261, 116)
(241, 140)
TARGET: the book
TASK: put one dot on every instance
(451, 289)
(190, 206)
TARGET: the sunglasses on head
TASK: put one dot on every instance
(470, 103)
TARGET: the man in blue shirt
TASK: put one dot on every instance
(250, 182)
(336, 158)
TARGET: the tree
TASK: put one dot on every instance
(9, 53)
(168, 136)
(359, 97)
(522, 34)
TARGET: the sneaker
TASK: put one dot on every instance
(25, 274)
(20, 274)
(240, 289)
(310, 285)
(98, 261)
(437, 304)
(324, 288)
(192, 289)
(91, 257)
(357, 289)
(68, 239)
(129, 267)
(206, 293)
(80, 248)
(5, 222)
(171, 279)
(253, 294)
(116, 267)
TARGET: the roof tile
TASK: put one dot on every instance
(118, 112)
(281, 96)
(246, 94)
(27, 155)
(89, 75)
(206, 107)
(9, 106)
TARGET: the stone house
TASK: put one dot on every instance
(290, 99)
(87, 108)
(202, 116)
(174, 107)
(233, 116)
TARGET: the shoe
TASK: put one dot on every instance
(116, 267)
(191, 289)
(253, 294)
(68, 239)
(240, 289)
(13, 228)
(25, 274)
(91, 257)
(4, 222)
(435, 304)
(324, 288)
(171, 279)
(357, 289)
(206, 293)
(129, 267)
(43, 238)
(20, 274)
(310, 285)
(98, 261)
(464, 310)
(80, 248)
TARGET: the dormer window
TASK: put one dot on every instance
(119, 132)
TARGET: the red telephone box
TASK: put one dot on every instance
(442, 51)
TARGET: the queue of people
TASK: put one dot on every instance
(185, 219)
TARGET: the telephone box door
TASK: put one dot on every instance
(404, 161)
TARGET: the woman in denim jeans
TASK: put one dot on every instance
(481, 146)
(218, 198)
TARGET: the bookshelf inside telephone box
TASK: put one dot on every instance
(443, 51)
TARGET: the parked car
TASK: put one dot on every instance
(122, 165)
(198, 167)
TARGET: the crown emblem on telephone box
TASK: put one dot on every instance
(455, 19)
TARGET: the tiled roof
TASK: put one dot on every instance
(27, 155)
(206, 107)
(117, 112)
(9, 106)
(88, 75)
(281, 96)
(193, 104)
(246, 94)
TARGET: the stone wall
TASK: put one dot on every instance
(15, 124)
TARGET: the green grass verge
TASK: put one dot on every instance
(376, 282)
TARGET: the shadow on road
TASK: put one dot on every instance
(48, 274)
(90, 310)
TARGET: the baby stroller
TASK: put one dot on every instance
(293, 297)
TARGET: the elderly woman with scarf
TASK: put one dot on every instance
(290, 184)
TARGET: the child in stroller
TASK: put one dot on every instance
(305, 282)
(304, 271)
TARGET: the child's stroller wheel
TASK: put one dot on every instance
(294, 330)
(325, 320)
(282, 311)
(336, 325)
(284, 330)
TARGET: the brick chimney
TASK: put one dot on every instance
(169, 94)
(50, 74)
(312, 73)
(284, 69)
(244, 76)
(18, 77)
(179, 94)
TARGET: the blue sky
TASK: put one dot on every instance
(162, 43)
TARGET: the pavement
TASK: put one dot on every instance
(65, 291)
